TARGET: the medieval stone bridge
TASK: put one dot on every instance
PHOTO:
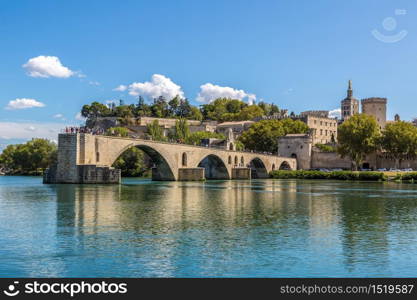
(87, 158)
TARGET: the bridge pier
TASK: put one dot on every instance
(191, 174)
(241, 173)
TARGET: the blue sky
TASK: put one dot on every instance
(296, 54)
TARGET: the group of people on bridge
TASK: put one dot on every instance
(83, 129)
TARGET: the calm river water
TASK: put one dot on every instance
(259, 228)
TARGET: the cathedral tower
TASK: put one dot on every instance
(350, 105)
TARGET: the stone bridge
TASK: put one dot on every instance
(87, 158)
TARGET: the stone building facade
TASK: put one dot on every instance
(324, 129)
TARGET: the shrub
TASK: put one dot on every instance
(325, 148)
(409, 176)
(336, 175)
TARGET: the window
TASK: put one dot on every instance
(97, 156)
(236, 160)
(230, 160)
(184, 159)
(242, 161)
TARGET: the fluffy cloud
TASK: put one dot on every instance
(47, 66)
(335, 113)
(23, 103)
(159, 85)
(209, 92)
(27, 130)
(79, 117)
(120, 88)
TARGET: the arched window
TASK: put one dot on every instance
(184, 159)
(230, 160)
(242, 160)
(97, 156)
(236, 160)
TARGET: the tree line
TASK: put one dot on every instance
(360, 136)
(222, 109)
(30, 158)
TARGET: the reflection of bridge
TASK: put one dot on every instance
(86, 158)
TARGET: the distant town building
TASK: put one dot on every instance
(349, 105)
(323, 128)
(236, 127)
(376, 107)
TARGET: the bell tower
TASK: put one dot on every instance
(349, 105)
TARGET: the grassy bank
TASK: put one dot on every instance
(335, 175)
(407, 177)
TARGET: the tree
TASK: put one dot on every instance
(117, 131)
(223, 109)
(195, 114)
(196, 137)
(95, 110)
(358, 137)
(181, 131)
(263, 136)
(33, 157)
(250, 112)
(131, 163)
(142, 109)
(400, 140)
(155, 131)
(160, 108)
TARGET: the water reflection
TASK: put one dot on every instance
(253, 228)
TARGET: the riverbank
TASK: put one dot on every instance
(410, 177)
(335, 175)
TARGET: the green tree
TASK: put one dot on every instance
(181, 131)
(195, 114)
(196, 137)
(30, 158)
(160, 108)
(117, 131)
(250, 112)
(142, 109)
(95, 110)
(358, 137)
(155, 131)
(223, 109)
(131, 163)
(400, 140)
(263, 136)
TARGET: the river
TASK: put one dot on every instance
(258, 228)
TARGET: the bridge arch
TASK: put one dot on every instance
(285, 166)
(162, 170)
(215, 167)
(258, 168)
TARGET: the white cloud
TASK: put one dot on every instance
(47, 66)
(27, 130)
(335, 113)
(159, 85)
(95, 83)
(23, 103)
(209, 92)
(79, 117)
(59, 116)
(120, 88)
